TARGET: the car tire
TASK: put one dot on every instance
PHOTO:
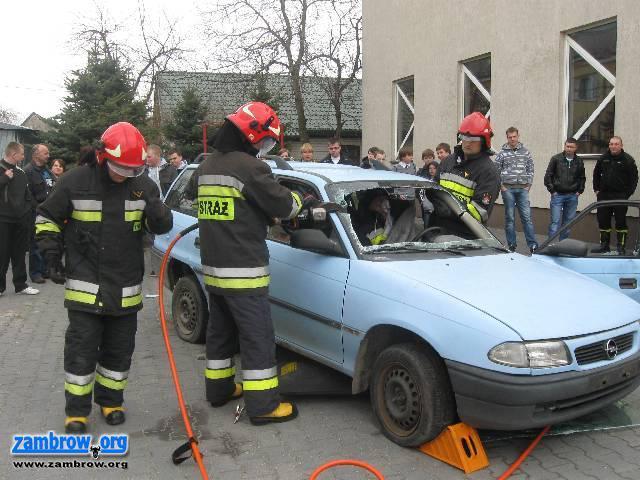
(189, 310)
(411, 395)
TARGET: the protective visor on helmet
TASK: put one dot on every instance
(468, 138)
(264, 146)
(125, 171)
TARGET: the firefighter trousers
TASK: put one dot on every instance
(244, 323)
(97, 358)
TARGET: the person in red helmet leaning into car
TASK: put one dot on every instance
(237, 198)
(99, 211)
(469, 173)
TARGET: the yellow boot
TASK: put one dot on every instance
(113, 415)
(283, 413)
(75, 425)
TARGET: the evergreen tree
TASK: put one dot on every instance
(185, 128)
(99, 95)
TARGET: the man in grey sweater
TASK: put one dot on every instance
(515, 164)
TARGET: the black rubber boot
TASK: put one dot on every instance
(113, 415)
(605, 237)
(237, 393)
(75, 425)
(621, 236)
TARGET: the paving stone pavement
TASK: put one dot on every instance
(32, 400)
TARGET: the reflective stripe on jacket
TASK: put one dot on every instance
(237, 198)
(100, 223)
(475, 182)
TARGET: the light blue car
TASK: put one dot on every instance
(440, 322)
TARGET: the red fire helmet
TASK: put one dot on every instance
(256, 121)
(476, 125)
(123, 145)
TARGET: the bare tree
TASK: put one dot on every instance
(7, 115)
(265, 36)
(149, 50)
(335, 57)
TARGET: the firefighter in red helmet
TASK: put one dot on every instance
(469, 173)
(97, 215)
(237, 199)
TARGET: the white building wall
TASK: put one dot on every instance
(428, 38)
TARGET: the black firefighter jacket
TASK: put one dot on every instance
(238, 198)
(615, 174)
(101, 224)
(475, 182)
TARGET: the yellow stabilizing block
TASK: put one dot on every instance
(459, 445)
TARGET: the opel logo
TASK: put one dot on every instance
(611, 349)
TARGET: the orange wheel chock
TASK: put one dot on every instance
(458, 445)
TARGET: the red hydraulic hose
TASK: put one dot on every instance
(193, 442)
(514, 466)
(354, 463)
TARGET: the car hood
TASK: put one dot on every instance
(537, 300)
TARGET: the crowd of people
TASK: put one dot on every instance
(24, 190)
(615, 177)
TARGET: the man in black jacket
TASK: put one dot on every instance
(40, 184)
(565, 181)
(615, 177)
(97, 213)
(335, 155)
(15, 219)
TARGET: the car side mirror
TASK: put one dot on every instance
(315, 241)
(569, 247)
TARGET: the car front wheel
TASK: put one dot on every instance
(411, 394)
(189, 310)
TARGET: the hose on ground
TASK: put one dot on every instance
(190, 448)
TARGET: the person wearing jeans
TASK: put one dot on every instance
(515, 164)
(565, 179)
(512, 198)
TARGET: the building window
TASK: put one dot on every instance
(590, 80)
(476, 86)
(404, 114)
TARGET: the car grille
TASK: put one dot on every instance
(596, 352)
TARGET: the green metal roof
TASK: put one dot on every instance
(225, 92)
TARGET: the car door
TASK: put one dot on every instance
(620, 272)
(306, 291)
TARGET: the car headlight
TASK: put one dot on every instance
(531, 354)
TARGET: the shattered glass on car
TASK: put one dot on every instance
(450, 227)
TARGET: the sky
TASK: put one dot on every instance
(36, 51)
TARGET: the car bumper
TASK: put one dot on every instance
(498, 401)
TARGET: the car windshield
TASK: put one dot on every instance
(405, 216)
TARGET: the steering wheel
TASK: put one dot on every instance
(424, 232)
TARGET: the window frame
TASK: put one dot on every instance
(281, 179)
(466, 73)
(568, 45)
(397, 92)
(178, 189)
